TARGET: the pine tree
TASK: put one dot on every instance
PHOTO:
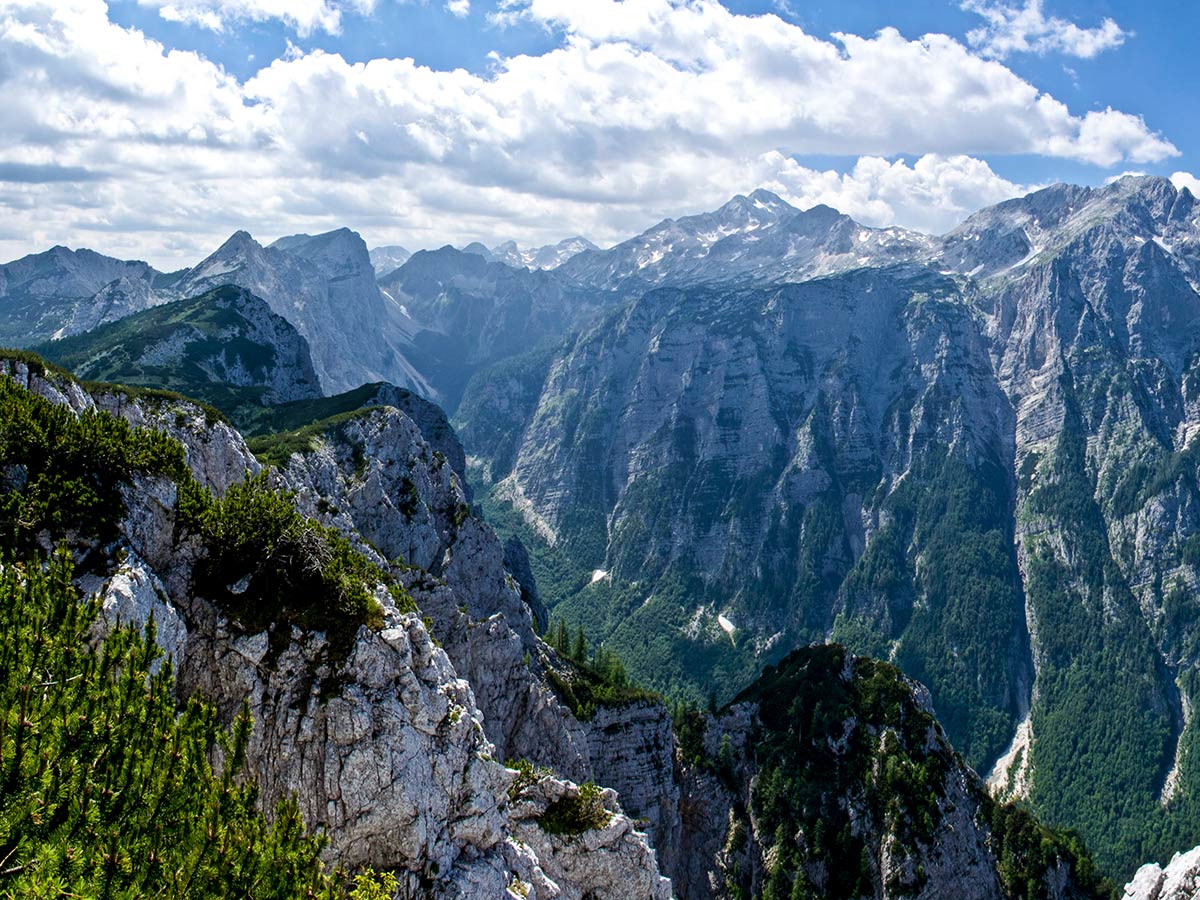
(106, 790)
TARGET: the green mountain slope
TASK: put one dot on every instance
(225, 347)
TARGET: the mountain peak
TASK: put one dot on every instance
(238, 242)
(761, 205)
(478, 249)
(761, 197)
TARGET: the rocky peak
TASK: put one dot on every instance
(51, 294)
(325, 286)
(477, 249)
(388, 259)
(238, 243)
(335, 252)
(748, 213)
(1129, 211)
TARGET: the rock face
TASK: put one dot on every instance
(206, 346)
(975, 456)
(325, 286)
(1180, 880)
(381, 741)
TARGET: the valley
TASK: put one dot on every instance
(948, 484)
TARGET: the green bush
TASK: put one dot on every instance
(575, 815)
(265, 563)
(527, 775)
(61, 473)
(106, 790)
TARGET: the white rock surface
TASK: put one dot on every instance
(1180, 880)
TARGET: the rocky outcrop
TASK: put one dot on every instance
(595, 863)
(829, 744)
(380, 740)
(1180, 880)
(377, 479)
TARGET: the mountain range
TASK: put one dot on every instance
(760, 429)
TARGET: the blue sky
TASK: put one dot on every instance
(153, 128)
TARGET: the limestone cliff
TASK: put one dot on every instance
(377, 735)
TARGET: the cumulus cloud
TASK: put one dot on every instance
(641, 110)
(458, 8)
(933, 194)
(1186, 180)
(1027, 29)
(305, 16)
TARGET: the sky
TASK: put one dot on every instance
(153, 129)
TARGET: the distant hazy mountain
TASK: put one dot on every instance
(472, 312)
(65, 291)
(388, 259)
(550, 256)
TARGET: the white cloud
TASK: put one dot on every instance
(305, 16)
(1128, 173)
(1186, 180)
(642, 110)
(458, 8)
(1026, 29)
(933, 194)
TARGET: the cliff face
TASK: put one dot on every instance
(379, 737)
(735, 454)
(978, 463)
(325, 286)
